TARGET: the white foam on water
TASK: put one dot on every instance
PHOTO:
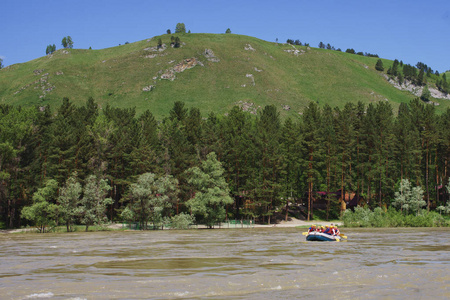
(181, 294)
(41, 295)
(276, 288)
(53, 247)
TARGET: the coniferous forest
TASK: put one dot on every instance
(80, 165)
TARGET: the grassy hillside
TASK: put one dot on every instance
(239, 68)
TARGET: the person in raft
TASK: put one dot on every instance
(327, 229)
(312, 228)
(337, 231)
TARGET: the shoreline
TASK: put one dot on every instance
(292, 223)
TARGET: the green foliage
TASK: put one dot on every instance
(69, 199)
(364, 217)
(409, 199)
(181, 221)
(177, 42)
(210, 190)
(379, 65)
(228, 30)
(268, 166)
(43, 212)
(180, 28)
(445, 209)
(93, 204)
(50, 49)
(151, 197)
(426, 94)
(67, 42)
(1, 63)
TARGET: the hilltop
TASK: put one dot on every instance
(210, 71)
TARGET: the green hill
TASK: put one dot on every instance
(212, 72)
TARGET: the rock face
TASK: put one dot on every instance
(416, 90)
(249, 47)
(156, 48)
(186, 64)
(148, 88)
(248, 106)
(295, 51)
(210, 56)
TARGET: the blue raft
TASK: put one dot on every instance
(322, 237)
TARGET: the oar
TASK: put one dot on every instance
(305, 233)
(342, 236)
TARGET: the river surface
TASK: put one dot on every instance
(254, 263)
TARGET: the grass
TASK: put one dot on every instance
(117, 75)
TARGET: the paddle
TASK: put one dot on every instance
(342, 236)
(305, 233)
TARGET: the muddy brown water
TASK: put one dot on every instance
(256, 263)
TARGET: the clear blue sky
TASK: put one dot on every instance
(409, 30)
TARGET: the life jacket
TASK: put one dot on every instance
(311, 229)
(337, 231)
(327, 230)
(332, 231)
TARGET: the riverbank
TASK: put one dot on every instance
(293, 222)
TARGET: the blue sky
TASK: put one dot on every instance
(409, 30)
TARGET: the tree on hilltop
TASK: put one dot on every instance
(228, 30)
(1, 63)
(351, 51)
(50, 49)
(180, 28)
(67, 42)
(168, 31)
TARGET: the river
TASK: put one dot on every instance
(254, 263)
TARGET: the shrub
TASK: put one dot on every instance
(364, 217)
(181, 221)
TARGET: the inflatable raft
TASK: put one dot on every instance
(322, 237)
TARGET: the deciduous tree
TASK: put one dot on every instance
(43, 211)
(180, 28)
(93, 204)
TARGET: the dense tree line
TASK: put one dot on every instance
(188, 164)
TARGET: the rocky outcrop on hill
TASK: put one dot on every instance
(186, 64)
(295, 51)
(249, 47)
(416, 90)
(42, 83)
(210, 56)
(248, 106)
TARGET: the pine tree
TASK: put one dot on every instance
(327, 131)
(270, 161)
(290, 143)
(312, 141)
(379, 65)
(210, 190)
